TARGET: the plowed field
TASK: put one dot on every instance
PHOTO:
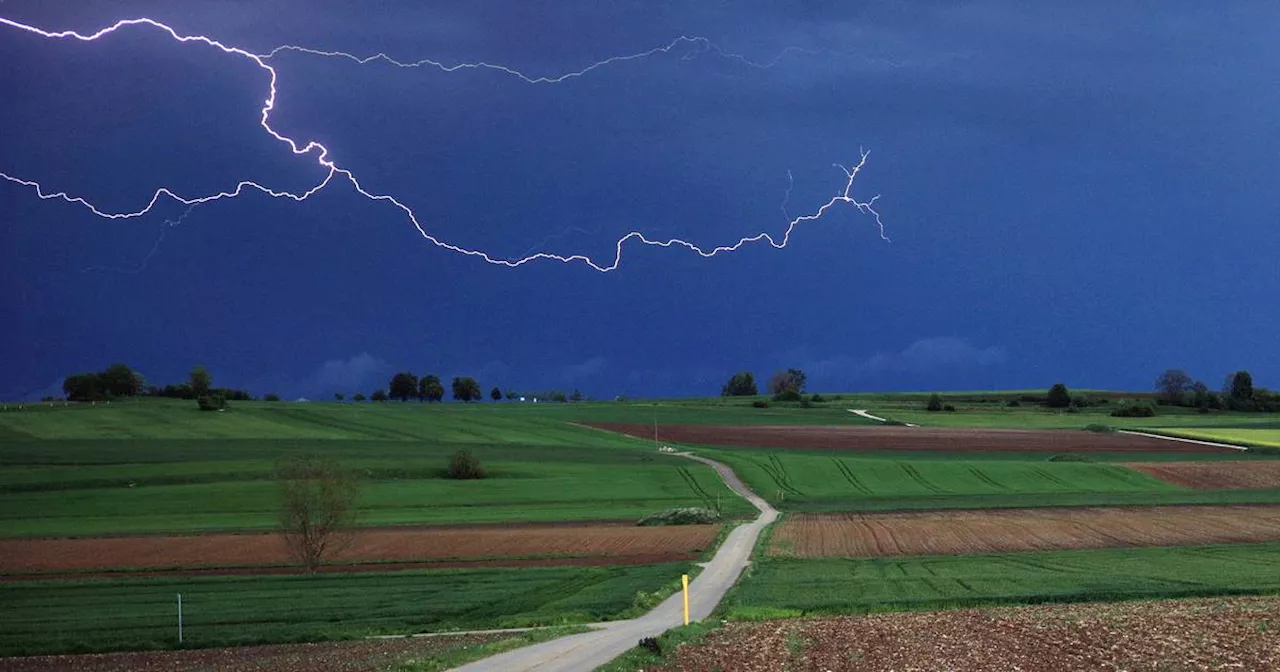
(908, 438)
(523, 545)
(1207, 634)
(954, 532)
(1215, 475)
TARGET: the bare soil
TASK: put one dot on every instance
(863, 437)
(1215, 475)
(383, 548)
(986, 531)
(359, 656)
(1173, 635)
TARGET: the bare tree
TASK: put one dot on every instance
(317, 508)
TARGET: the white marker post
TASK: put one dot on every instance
(179, 618)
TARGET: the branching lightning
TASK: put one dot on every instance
(321, 153)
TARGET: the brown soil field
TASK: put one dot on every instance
(1214, 475)
(361, 656)
(862, 437)
(1174, 635)
(955, 532)
(505, 545)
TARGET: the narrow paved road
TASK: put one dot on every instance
(865, 414)
(592, 649)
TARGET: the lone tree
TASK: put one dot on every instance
(791, 379)
(430, 388)
(317, 507)
(1173, 384)
(495, 394)
(465, 466)
(200, 381)
(379, 395)
(1240, 386)
(935, 402)
(403, 386)
(338, 396)
(1058, 396)
(741, 384)
(466, 389)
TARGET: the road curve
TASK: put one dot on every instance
(590, 650)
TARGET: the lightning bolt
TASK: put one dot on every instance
(333, 170)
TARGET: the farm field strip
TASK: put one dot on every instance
(659, 544)
(138, 613)
(957, 532)
(794, 586)
(1214, 475)
(1267, 437)
(1200, 634)
(880, 437)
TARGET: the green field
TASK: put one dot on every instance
(817, 481)
(128, 614)
(788, 587)
(1267, 437)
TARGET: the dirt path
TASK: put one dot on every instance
(1198, 442)
(590, 650)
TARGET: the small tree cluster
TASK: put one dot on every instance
(117, 380)
(466, 389)
(791, 380)
(741, 384)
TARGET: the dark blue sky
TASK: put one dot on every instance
(1077, 191)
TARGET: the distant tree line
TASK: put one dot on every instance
(1175, 388)
(405, 386)
(787, 385)
(120, 381)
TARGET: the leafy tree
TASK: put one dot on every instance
(465, 466)
(318, 507)
(935, 402)
(1058, 396)
(430, 388)
(576, 396)
(791, 379)
(495, 394)
(466, 389)
(741, 384)
(379, 394)
(271, 396)
(338, 396)
(200, 381)
(404, 386)
(359, 396)
(1173, 384)
(118, 380)
(1240, 386)
(512, 395)
(83, 387)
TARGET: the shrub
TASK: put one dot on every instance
(1070, 457)
(684, 516)
(651, 645)
(465, 466)
(1058, 396)
(1135, 410)
(949, 408)
(271, 396)
(1101, 429)
(1013, 403)
(211, 402)
(934, 404)
(760, 403)
(788, 395)
(816, 398)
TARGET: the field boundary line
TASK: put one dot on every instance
(1181, 439)
(863, 413)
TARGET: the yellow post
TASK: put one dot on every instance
(685, 578)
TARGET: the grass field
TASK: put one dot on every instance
(101, 615)
(790, 587)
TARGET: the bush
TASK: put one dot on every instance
(760, 403)
(1070, 457)
(685, 516)
(949, 408)
(651, 645)
(271, 396)
(1135, 410)
(1013, 403)
(465, 466)
(211, 402)
(788, 395)
(1058, 396)
(934, 403)
(816, 398)
(1101, 429)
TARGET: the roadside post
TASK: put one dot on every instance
(685, 579)
(179, 618)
